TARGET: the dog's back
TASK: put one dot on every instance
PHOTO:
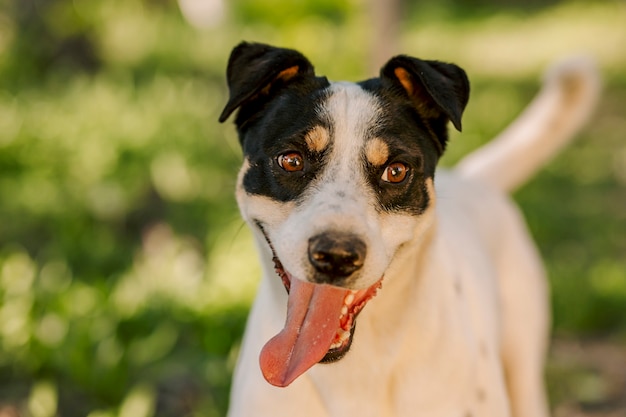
(557, 113)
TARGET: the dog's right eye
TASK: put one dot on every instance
(395, 173)
(291, 161)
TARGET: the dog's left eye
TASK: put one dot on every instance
(291, 161)
(395, 172)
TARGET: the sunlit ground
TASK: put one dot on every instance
(125, 271)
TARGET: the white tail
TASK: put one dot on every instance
(564, 104)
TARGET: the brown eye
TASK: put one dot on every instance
(291, 161)
(395, 172)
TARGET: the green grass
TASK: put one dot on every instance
(125, 271)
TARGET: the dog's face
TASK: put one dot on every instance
(337, 177)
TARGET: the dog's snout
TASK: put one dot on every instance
(336, 256)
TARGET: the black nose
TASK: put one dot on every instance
(336, 256)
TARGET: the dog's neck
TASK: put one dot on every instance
(405, 275)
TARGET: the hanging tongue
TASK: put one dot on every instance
(313, 312)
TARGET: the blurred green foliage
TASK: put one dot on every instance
(125, 271)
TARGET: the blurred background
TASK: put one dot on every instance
(126, 273)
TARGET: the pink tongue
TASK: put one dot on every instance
(313, 312)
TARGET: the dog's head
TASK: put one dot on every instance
(337, 177)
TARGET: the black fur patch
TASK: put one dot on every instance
(287, 119)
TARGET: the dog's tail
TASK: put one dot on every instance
(567, 98)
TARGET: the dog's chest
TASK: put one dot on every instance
(449, 385)
(426, 358)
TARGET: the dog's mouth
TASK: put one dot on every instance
(320, 323)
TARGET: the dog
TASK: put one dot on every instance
(390, 288)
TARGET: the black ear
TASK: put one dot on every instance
(253, 69)
(439, 91)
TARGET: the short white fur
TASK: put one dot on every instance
(464, 301)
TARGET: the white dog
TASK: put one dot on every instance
(339, 187)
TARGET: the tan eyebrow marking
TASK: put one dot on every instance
(317, 139)
(376, 151)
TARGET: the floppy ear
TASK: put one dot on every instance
(254, 68)
(439, 91)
